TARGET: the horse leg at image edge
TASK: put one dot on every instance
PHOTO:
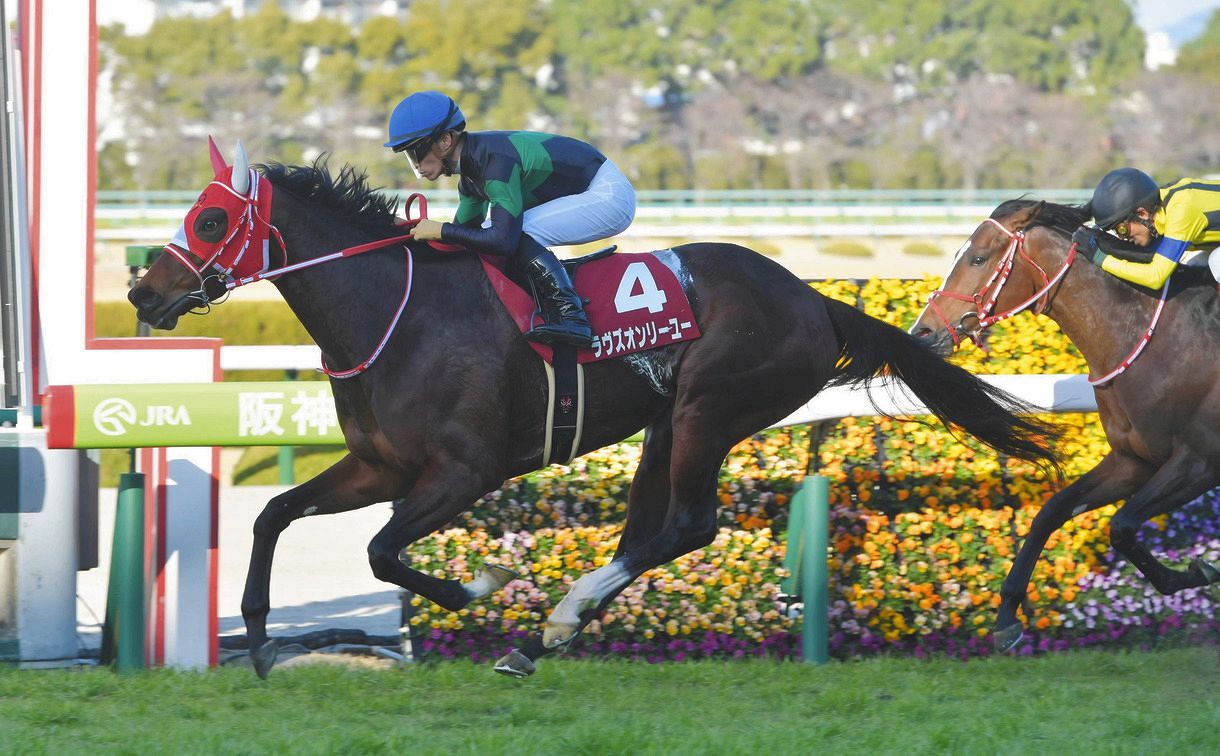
(1113, 478)
(347, 485)
(1180, 480)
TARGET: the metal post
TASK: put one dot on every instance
(16, 389)
(287, 454)
(123, 633)
(815, 630)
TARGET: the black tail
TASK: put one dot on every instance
(870, 348)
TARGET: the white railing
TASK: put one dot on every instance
(1051, 393)
(294, 357)
(157, 222)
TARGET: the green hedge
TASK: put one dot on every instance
(239, 323)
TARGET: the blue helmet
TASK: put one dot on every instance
(423, 114)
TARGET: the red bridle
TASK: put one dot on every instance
(229, 255)
(246, 248)
(984, 300)
(999, 277)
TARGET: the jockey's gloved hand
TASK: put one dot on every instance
(1085, 240)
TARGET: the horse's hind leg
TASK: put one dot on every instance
(647, 502)
(1112, 479)
(348, 484)
(1183, 478)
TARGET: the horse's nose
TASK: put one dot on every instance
(923, 334)
(143, 298)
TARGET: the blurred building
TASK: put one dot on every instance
(138, 15)
(1160, 51)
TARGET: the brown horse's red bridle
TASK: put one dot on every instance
(995, 284)
(984, 300)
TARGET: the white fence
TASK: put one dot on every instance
(1051, 393)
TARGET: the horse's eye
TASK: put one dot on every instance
(977, 260)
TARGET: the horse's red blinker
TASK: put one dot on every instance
(227, 229)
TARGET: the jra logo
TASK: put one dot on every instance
(112, 417)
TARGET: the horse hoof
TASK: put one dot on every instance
(1209, 571)
(1007, 638)
(515, 664)
(559, 635)
(263, 657)
(490, 579)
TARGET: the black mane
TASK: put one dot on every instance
(348, 193)
(1062, 218)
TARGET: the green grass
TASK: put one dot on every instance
(846, 249)
(922, 249)
(1086, 702)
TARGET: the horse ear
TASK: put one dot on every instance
(1026, 216)
(241, 170)
(218, 160)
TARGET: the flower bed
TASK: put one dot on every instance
(918, 582)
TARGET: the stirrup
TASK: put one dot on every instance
(553, 333)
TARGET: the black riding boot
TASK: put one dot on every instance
(555, 287)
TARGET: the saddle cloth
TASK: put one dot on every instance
(635, 303)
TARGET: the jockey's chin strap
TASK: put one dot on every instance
(985, 300)
(257, 228)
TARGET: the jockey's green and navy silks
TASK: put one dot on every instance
(509, 172)
(1189, 219)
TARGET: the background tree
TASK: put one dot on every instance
(1201, 56)
(682, 93)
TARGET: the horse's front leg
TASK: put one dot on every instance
(448, 487)
(1183, 478)
(1113, 478)
(348, 484)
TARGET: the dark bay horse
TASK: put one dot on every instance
(1159, 407)
(456, 402)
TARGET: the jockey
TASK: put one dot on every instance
(1158, 224)
(541, 190)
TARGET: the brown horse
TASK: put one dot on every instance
(456, 402)
(1159, 405)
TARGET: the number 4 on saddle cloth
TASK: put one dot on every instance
(634, 302)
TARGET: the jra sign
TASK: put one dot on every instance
(190, 414)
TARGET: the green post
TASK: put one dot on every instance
(287, 454)
(123, 633)
(815, 630)
(791, 585)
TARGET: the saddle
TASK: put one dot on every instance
(634, 302)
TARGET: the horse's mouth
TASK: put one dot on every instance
(167, 322)
(164, 319)
(940, 342)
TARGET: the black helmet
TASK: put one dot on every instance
(1120, 193)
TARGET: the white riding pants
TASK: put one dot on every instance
(603, 210)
